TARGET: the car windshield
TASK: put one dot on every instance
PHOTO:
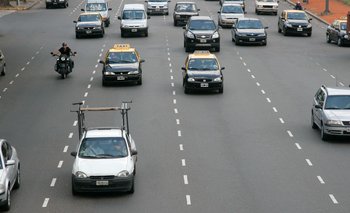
(249, 24)
(203, 64)
(202, 25)
(133, 14)
(232, 9)
(121, 57)
(88, 18)
(157, 0)
(297, 16)
(103, 148)
(338, 102)
(185, 8)
(96, 7)
(343, 26)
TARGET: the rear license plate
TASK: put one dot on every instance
(102, 183)
(299, 29)
(204, 85)
(203, 41)
(88, 31)
(120, 78)
(251, 39)
(134, 30)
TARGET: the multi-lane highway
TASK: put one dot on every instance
(248, 150)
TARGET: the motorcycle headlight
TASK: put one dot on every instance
(80, 174)
(63, 58)
(2, 189)
(190, 80)
(218, 79)
(189, 34)
(216, 35)
(109, 73)
(133, 72)
(123, 173)
(334, 123)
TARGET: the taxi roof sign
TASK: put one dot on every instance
(201, 52)
(121, 46)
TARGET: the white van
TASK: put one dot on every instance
(133, 20)
(100, 6)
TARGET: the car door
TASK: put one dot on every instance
(7, 156)
(331, 31)
(319, 100)
(2, 61)
(184, 71)
(280, 20)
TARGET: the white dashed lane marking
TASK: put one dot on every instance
(290, 133)
(268, 100)
(75, 123)
(179, 133)
(46, 202)
(320, 179)
(258, 84)
(274, 109)
(178, 121)
(86, 94)
(281, 120)
(60, 163)
(174, 101)
(185, 180)
(5, 89)
(174, 92)
(263, 91)
(23, 68)
(11, 82)
(248, 70)
(309, 162)
(188, 200)
(252, 76)
(65, 149)
(181, 146)
(298, 145)
(333, 199)
(16, 75)
(53, 182)
(176, 111)
(324, 69)
(341, 84)
(332, 76)
(183, 162)
(70, 135)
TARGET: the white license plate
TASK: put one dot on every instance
(102, 183)
(88, 31)
(157, 9)
(251, 39)
(299, 29)
(204, 85)
(203, 41)
(133, 30)
(120, 78)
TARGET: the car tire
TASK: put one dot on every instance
(18, 179)
(3, 71)
(63, 76)
(104, 83)
(232, 39)
(236, 41)
(186, 90)
(146, 33)
(328, 38)
(339, 42)
(313, 125)
(264, 43)
(7, 202)
(324, 136)
(74, 191)
(132, 190)
(279, 30)
(256, 12)
(175, 23)
(221, 90)
(188, 49)
(309, 34)
(47, 7)
(139, 82)
(284, 31)
(275, 13)
(217, 49)
(122, 34)
(77, 36)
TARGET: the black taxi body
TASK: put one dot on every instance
(294, 22)
(202, 71)
(122, 64)
(336, 32)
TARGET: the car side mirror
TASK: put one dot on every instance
(245, 12)
(10, 162)
(148, 17)
(266, 28)
(142, 60)
(82, 10)
(310, 19)
(317, 106)
(222, 68)
(109, 8)
(198, 10)
(119, 18)
(184, 27)
(133, 152)
(74, 21)
(183, 68)
(101, 62)
(74, 154)
(219, 12)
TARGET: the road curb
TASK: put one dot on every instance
(311, 14)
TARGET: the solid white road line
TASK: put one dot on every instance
(65, 149)
(297, 145)
(188, 200)
(70, 135)
(46, 202)
(309, 162)
(183, 162)
(181, 147)
(290, 133)
(320, 179)
(333, 199)
(53, 182)
(185, 180)
(60, 164)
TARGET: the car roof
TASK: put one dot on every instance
(89, 13)
(231, 4)
(96, 1)
(248, 19)
(337, 90)
(185, 2)
(201, 54)
(294, 11)
(201, 18)
(122, 48)
(134, 6)
(103, 132)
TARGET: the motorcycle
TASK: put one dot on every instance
(64, 64)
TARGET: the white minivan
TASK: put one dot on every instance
(100, 6)
(133, 20)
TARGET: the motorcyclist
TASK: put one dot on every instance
(65, 50)
(298, 6)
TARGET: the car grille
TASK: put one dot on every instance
(154, 7)
(133, 26)
(88, 28)
(109, 177)
(267, 6)
(297, 25)
(206, 80)
(203, 36)
(346, 123)
(185, 16)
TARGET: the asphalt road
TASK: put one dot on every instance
(248, 150)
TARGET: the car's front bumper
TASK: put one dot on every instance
(115, 184)
(333, 130)
(197, 43)
(89, 32)
(204, 86)
(298, 30)
(251, 39)
(134, 30)
(119, 78)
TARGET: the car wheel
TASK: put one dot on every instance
(187, 91)
(256, 12)
(236, 41)
(132, 190)
(275, 13)
(139, 82)
(74, 191)
(221, 90)
(284, 31)
(264, 43)
(122, 34)
(3, 71)
(328, 38)
(146, 34)
(279, 29)
(217, 49)
(175, 23)
(313, 125)
(18, 179)
(77, 36)
(47, 6)
(309, 34)
(187, 49)
(324, 136)
(7, 202)
(339, 42)
(63, 76)
(104, 83)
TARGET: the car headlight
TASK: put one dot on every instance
(288, 24)
(2, 189)
(133, 72)
(98, 28)
(63, 58)
(124, 26)
(261, 34)
(80, 174)
(189, 34)
(61, 0)
(218, 79)
(109, 73)
(309, 25)
(260, 6)
(346, 36)
(216, 35)
(275, 7)
(77, 28)
(190, 80)
(48, 0)
(123, 173)
(177, 16)
(334, 123)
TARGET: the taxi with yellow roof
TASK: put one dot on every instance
(202, 71)
(337, 32)
(294, 22)
(122, 64)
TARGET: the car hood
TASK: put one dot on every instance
(186, 13)
(157, 4)
(104, 14)
(343, 115)
(301, 22)
(203, 74)
(89, 24)
(99, 167)
(203, 32)
(122, 67)
(248, 31)
(267, 3)
(134, 22)
(232, 15)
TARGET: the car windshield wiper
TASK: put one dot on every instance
(104, 156)
(89, 156)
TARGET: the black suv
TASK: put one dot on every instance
(201, 32)
(56, 3)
